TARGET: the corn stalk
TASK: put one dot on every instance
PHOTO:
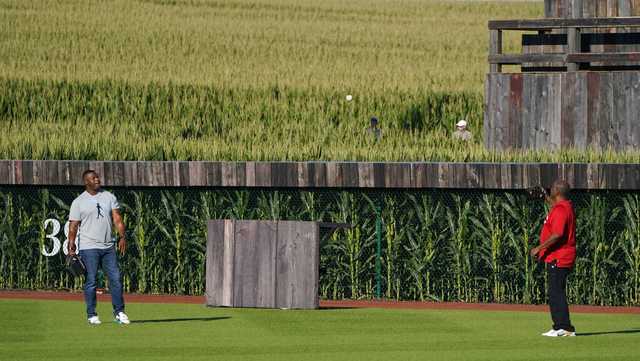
(631, 246)
(460, 246)
(522, 236)
(423, 242)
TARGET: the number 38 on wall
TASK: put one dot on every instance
(53, 236)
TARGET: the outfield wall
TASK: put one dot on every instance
(383, 175)
(449, 231)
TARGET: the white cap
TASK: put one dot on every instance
(461, 123)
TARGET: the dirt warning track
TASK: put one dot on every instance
(386, 304)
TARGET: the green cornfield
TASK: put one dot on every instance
(251, 80)
(468, 246)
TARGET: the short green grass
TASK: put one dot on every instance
(53, 330)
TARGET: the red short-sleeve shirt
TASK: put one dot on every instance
(561, 220)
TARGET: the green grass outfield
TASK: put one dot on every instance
(57, 330)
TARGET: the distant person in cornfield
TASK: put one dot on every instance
(91, 219)
(374, 130)
(461, 132)
(557, 250)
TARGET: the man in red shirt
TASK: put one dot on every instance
(558, 251)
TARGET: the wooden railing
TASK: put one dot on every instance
(573, 57)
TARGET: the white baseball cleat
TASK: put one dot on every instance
(122, 318)
(94, 320)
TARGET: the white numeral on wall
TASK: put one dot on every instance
(53, 236)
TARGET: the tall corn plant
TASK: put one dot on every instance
(423, 242)
(394, 234)
(311, 209)
(26, 246)
(42, 271)
(598, 247)
(274, 206)
(350, 247)
(8, 240)
(170, 223)
(460, 246)
(631, 247)
(17, 240)
(239, 205)
(491, 233)
(522, 237)
(142, 222)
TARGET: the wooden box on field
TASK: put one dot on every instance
(269, 264)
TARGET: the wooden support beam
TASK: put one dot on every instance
(517, 59)
(573, 46)
(495, 48)
(541, 24)
(603, 57)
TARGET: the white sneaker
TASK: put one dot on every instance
(564, 333)
(94, 320)
(122, 318)
(559, 333)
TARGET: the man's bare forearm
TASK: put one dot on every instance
(120, 228)
(553, 239)
(73, 233)
(119, 224)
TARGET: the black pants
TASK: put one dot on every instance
(557, 280)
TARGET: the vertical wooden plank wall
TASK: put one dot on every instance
(214, 262)
(297, 265)
(590, 8)
(571, 110)
(267, 264)
(228, 256)
(254, 263)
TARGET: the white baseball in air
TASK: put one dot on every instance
(349, 97)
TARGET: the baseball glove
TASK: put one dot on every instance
(537, 192)
(75, 266)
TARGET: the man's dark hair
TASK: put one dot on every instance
(87, 172)
(374, 121)
(562, 186)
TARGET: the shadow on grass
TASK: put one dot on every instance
(635, 330)
(168, 320)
